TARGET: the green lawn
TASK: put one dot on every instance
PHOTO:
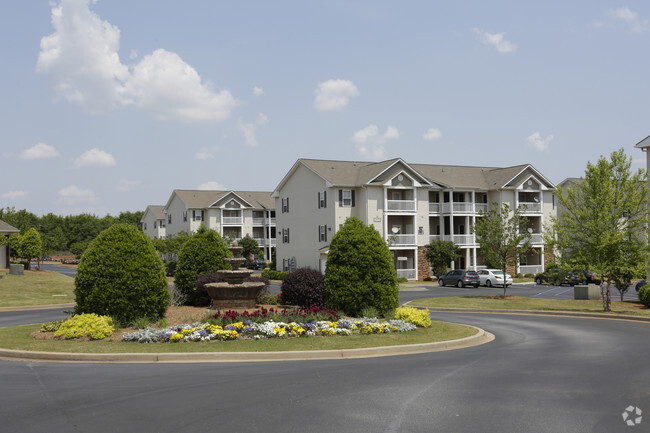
(18, 338)
(35, 288)
(521, 303)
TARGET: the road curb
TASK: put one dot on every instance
(38, 307)
(536, 313)
(481, 337)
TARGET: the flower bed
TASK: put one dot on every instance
(266, 329)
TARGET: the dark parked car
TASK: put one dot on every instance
(582, 277)
(256, 264)
(640, 284)
(460, 278)
(552, 276)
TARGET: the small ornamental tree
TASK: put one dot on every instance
(250, 247)
(360, 271)
(440, 254)
(203, 253)
(121, 275)
(29, 245)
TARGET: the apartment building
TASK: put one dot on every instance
(408, 204)
(233, 214)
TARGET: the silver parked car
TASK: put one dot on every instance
(459, 278)
(493, 277)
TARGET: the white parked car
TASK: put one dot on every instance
(493, 277)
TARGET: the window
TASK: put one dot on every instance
(285, 236)
(154, 225)
(322, 199)
(161, 223)
(184, 216)
(197, 215)
(285, 205)
(169, 219)
(144, 226)
(322, 233)
(346, 197)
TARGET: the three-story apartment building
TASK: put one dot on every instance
(233, 214)
(409, 204)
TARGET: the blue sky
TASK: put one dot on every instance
(109, 105)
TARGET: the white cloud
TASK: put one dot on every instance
(536, 141)
(81, 57)
(13, 195)
(207, 153)
(40, 151)
(369, 142)
(94, 157)
(73, 195)
(258, 91)
(126, 185)
(214, 186)
(496, 40)
(249, 129)
(432, 134)
(632, 19)
(334, 95)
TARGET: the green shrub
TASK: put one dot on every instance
(360, 271)
(428, 279)
(141, 323)
(52, 326)
(529, 275)
(552, 266)
(644, 295)
(304, 288)
(91, 325)
(170, 268)
(203, 253)
(274, 275)
(369, 312)
(402, 280)
(121, 275)
(414, 316)
(519, 276)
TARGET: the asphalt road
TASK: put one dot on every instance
(541, 374)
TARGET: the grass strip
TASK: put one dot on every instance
(35, 288)
(18, 338)
(525, 303)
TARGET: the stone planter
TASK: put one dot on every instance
(16, 269)
(586, 292)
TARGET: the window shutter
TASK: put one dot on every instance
(324, 198)
(318, 199)
(287, 204)
(288, 239)
(325, 230)
(202, 215)
(352, 193)
(340, 197)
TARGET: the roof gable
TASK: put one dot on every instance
(643, 144)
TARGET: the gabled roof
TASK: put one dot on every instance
(643, 144)
(356, 173)
(6, 228)
(156, 211)
(202, 199)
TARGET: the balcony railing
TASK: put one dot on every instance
(530, 269)
(409, 274)
(401, 240)
(458, 207)
(434, 207)
(259, 221)
(400, 205)
(530, 207)
(232, 220)
(460, 239)
(481, 207)
(434, 238)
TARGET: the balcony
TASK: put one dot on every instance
(458, 207)
(399, 240)
(434, 238)
(400, 205)
(263, 242)
(434, 207)
(409, 274)
(232, 220)
(259, 221)
(530, 207)
(460, 239)
(481, 207)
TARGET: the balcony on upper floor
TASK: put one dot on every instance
(461, 240)
(400, 205)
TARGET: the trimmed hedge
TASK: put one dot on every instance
(644, 295)
(360, 271)
(274, 275)
(121, 275)
(304, 287)
(203, 253)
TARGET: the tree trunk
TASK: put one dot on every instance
(605, 295)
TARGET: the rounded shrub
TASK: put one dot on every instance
(121, 275)
(360, 271)
(413, 315)
(304, 287)
(644, 295)
(203, 253)
(90, 325)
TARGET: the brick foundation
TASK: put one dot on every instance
(423, 264)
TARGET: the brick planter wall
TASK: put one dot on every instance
(423, 265)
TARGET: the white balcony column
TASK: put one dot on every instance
(474, 258)
(473, 201)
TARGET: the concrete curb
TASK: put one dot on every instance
(536, 313)
(38, 307)
(481, 337)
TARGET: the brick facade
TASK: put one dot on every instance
(423, 264)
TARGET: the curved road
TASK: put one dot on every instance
(541, 374)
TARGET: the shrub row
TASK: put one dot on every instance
(274, 275)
